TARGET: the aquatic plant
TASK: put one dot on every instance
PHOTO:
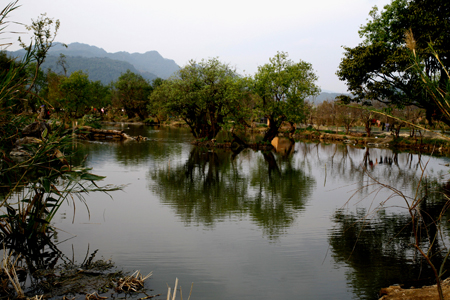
(173, 296)
(35, 185)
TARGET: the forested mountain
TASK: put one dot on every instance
(104, 66)
(151, 61)
(325, 96)
(103, 69)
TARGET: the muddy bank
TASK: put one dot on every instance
(424, 293)
(89, 133)
(403, 142)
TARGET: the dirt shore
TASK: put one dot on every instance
(424, 293)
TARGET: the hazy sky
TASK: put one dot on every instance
(243, 33)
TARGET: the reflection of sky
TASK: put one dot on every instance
(232, 259)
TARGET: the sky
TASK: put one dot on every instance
(242, 33)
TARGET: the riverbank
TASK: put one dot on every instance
(423, 293)
(424, 142)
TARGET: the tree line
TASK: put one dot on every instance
(400, 67)
(208, 95)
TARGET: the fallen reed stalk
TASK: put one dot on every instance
(175, 291)
(133, 282)
(8, 266)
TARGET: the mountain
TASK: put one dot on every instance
(151, 61)
(103, 69)
(104, 66)
(330, 96)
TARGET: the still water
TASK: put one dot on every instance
(286, 224)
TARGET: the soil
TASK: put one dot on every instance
(96, 280)
(424, 293)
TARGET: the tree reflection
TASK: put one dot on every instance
(379, 247)
(281, 192)
(208, 186)
(213, 184)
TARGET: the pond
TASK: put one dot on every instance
(251, 225)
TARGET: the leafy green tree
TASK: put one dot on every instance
(156, 104)
(13, 81)
(76, 93)
(100, 94)
(380, 67)
(51, 90)
(132, 92)
(207, 95)
(282, 87)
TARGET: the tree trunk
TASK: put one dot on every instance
(272, 132)
(293, 128)
(368, 127)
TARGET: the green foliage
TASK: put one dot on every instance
(76, 93)
(282, 87)
(100, 94)
(13, 80)
(379, 68)
(51, 90)
(131, 93)
(44, 31)
(206, 95)
(101, 69)
(90, 120)
(44, 177)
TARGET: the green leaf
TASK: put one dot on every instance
(50, 199)
(46, 185)
(11, 211)
(44, 133)
(39, 220)
(92, 177)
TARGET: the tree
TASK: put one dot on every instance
(346, 116)
(132, 92)
(76, 93)
(13, 81)
(282, 87)
(380, 67)
(100, 94)
(205, 95)
(326, 113)
(51, 89)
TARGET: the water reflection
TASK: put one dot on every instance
(39, 252)
(213, 184)
(376, 239)
(297, 197)
(380, 251)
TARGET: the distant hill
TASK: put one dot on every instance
(103, 69)
(151, 61)
(325, 96)
(105, 66)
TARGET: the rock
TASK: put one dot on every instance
(27, 140)
(18, 146)
(19, 152)
(35, 129)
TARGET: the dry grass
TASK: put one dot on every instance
(133, 282)
(175, 291)
(9, 268)
(94, 296)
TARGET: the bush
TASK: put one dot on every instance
(90, 120)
